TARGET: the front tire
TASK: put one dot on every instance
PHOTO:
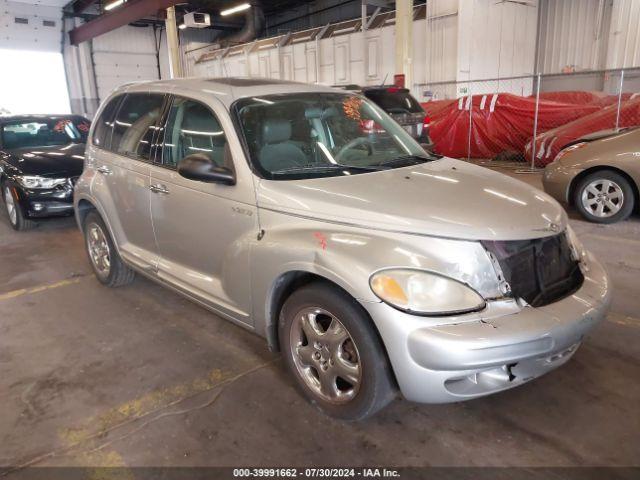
(103, 256)
(17, 218)
(604, 197)
(334, 353)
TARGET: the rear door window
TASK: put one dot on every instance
(136, 123)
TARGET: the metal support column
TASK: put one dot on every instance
(175, 64)
(404, 40)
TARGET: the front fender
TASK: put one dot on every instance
(347, 256)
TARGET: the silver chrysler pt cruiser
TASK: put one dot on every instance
(310, 217)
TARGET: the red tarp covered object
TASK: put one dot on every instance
(501, 123)
(548, 144)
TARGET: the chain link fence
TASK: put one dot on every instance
(528, 118)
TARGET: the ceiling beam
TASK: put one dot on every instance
(128, 12)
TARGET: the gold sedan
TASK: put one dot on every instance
(600, 177)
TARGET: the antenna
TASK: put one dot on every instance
(384, 79)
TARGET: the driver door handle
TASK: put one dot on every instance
(159, 189)
(103, 169)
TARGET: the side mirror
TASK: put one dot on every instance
(201, 168)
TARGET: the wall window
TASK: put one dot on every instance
(135, 124)
(192, 128)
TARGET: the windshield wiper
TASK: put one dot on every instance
(405, 160)
(336, 166)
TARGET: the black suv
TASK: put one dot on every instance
(41, 156)
(401, 106)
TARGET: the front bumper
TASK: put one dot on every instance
(38, 203)
(475, 355)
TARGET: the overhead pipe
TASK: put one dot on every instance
(253, 26)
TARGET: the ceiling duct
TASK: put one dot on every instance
(253, 26)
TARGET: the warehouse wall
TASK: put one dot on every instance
(624, 35)
(496, 40)
(446, 47)
(574, 35)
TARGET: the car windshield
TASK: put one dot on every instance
(394, 100)
(309, 135)
(27, 133)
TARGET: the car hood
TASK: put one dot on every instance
(65, 160)
(445, 198)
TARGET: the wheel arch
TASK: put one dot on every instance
(282, 288)
(83, 208)
(576, 180)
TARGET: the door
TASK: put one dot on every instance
(122, 163)
(203, 230)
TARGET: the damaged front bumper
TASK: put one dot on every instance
(438, 360)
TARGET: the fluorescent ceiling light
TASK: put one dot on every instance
(113, 5)
(236, 9)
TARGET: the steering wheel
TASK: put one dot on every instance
(356, 142)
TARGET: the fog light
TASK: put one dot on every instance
(37, 207)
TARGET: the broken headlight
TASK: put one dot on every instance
(424, 293)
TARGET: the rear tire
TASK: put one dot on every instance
(17, 218)
(605, 197)
(103, 256)
(335, 355)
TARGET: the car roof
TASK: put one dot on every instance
(35, 117)
(227, 89)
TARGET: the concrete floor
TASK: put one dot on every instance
(140, 376)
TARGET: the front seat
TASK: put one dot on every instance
(278, 152)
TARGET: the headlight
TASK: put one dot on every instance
(424, 293)
(32, 181)
(569, 149)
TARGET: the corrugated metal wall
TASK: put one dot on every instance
(573, 36)
(624, 35)
(496, 39)
(290, 20)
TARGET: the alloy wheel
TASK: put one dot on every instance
(602, 198)
(325, 355)
(99, 250)
(11, 206)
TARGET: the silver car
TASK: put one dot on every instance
(307, 215)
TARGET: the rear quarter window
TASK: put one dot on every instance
(104, 124)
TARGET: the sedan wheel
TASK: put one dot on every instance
(603, 198)
(325, 355)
